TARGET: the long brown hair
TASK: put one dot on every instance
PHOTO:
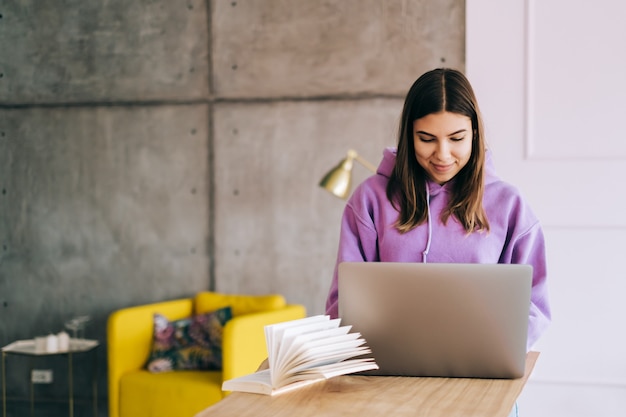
(439, 90)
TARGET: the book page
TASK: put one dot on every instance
(274, 334)
(295, 343)
(316, 364)
(284, 336)
(306, 346)
(258, 382)
(332, 370)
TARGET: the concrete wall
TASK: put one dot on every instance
(151, 149)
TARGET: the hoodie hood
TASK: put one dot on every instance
(386, 166)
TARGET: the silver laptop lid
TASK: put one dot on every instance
(445, 320)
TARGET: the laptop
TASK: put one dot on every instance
(439, 320)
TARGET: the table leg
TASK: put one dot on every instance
(95, 382)
(70, 383)
(32, 387)
(4, 388)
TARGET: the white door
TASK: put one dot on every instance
(550, 76)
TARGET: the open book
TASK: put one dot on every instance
(304, 351)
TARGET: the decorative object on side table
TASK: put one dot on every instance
(77, 326)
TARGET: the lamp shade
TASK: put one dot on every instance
(338, 180)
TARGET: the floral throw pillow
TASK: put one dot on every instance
(190, 343)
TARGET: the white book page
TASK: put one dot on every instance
(274, 332)
(258, 382)
(332, 370)
(306, 347)
(315, 362)
(296, 342)
(284, 337)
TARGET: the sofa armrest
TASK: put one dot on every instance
(243, 345)
(129, 340)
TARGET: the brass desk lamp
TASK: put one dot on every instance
(339, 179)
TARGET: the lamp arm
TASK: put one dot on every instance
(365, 163)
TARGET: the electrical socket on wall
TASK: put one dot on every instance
(41, 376)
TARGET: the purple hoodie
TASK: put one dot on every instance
(367, 234)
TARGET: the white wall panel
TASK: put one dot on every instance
(571, 400)
(585, 342)
(576, 78)
(502, 43)
(548, 75)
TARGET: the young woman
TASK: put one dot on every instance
(436, 198)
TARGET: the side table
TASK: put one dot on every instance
(27, 348)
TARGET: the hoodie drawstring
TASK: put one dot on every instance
(430, 226)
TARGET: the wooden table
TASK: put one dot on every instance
(363, 396)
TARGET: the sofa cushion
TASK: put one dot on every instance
(240, 304)
(168, 394)
(190, 343)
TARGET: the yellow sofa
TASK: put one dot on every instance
(135, 392)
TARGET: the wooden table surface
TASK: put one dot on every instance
(362, 396)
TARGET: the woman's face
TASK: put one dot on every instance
(443, 144)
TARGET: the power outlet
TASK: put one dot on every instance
(41, 376)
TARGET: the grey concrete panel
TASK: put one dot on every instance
(102, 207)
(116, 50)
(269, 48)
(276, 229)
